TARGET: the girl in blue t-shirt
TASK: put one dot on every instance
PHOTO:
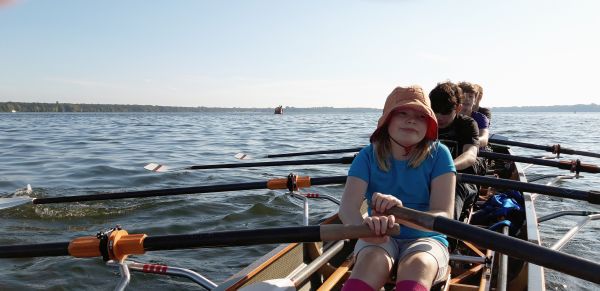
(403, 166)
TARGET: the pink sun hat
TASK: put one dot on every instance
(409, 97)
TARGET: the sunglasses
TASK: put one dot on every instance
(444, 111)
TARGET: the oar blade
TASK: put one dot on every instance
(6, 203)
(242, 156)
(154, 167)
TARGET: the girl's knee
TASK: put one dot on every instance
(373, 266)
(373, 254)
(419, 261)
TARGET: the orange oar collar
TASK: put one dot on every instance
(115, 244)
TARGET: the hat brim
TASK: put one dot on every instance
(432, 125)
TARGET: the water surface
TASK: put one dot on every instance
(82, 153)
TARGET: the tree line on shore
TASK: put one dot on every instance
(73, 107)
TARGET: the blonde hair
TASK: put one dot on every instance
(383, 151)
(479, 91)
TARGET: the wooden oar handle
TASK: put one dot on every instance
(330, 232)
(577, 166)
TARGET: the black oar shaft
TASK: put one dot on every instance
(37, 250)
(229, 238)
(521, 144)
(589, 196)
(561, 165)
(581, 153)
(328, 180)
(544, 148)
(344, 160)
(513, 247)
(315, 153)
(179, 191)
(314, 233)
(153, 193)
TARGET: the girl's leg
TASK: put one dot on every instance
(373, 265)
(422, 263)
(418, 268)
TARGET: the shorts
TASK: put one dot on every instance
(398, 249)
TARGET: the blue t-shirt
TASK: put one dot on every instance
(411, 185)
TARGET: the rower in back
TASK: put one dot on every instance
(485, 111)
(483, 123)
(461, 134)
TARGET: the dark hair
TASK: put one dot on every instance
(468, 88)
(445, 97)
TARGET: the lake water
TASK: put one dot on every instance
(84, 153)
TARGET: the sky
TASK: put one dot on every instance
(340, 53)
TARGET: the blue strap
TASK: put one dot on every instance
(496, 225)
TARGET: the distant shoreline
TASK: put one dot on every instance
(556, 108)
(75, 107)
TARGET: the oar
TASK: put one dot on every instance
(297, 182)
(589, 196)
(504, 244)
(243, 156)
(118, 243)
(282, 183)
(345, 160)
(557, 149)
(573, 166)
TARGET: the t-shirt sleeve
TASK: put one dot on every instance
(486, 112)
(443, 162)
(469, 133)
(361, 164)
(485, 122)
(482, 121)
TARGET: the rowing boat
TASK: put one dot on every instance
(325, 266)
(323, 263)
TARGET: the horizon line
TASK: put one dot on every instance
(313, 107)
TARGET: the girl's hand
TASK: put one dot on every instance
(379, 226)
(380, 203)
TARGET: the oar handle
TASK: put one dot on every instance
(331, 232)
(504, 244)
(577, 166)
(589, 196)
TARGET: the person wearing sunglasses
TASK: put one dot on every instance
(460, 134)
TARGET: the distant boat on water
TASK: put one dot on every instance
(13, 111)
(279, 109)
